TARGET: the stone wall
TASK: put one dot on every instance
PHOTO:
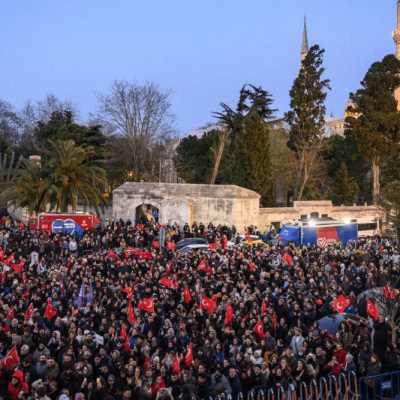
(306, 209)
(219, 204)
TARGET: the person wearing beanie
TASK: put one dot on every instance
(17, 385)
(348, 365)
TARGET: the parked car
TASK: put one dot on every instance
(188, 241)
(195, 247)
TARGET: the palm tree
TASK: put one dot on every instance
(24, 189)
(72, 173)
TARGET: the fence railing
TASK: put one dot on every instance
(345, 387)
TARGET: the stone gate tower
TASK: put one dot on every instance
(396, 38)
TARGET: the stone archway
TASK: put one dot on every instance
(146, 213)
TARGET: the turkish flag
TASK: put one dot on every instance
(141, 226)
(263, 307)
(146, 364)
(122, 333)
(11, 314)
(213, 246)
(166, 282)
(202, 267)
(111, 254)
(144, 255)
(128, 291)
(228, 314)
(9, 259)
(207, 304)
(18, 267)
(186, 293)
(340, 304)
(259, 329)
(131, 250)
(131, 314)
(189, 355)
(49, 313)
(156, 244)
(147, 305)
(169, 268)
(10, 359)
(1, 255)
(372, 309)
(288, 258)
(27, 292)
(29, 313)
(127, 346)
(389, 292)
(127, 254)
(175, 366)
(171, 245)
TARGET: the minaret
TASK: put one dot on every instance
(304, 43)
(396, 38)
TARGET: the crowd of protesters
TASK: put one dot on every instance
(143, 324)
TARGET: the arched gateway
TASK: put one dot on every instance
(181, 202)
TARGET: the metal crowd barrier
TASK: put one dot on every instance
(379, 386)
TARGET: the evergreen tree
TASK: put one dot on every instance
(345, 188)
(306, 118)
(374, 122)
(390, 203)
(248, 155)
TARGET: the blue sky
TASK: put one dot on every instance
(204, 50)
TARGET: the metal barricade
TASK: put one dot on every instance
(314, 393)
(240, 396)
(270, 394)
(323, 389)
(352, 386)
(229, 397)
(250, 395)
(379, 386)
(292, 395)
(343, 387)
(260, 395)
(303, 391)
(333, 388)
(281, 393)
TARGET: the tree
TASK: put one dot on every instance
(218, 151)
(390, 203)
(72, 173)
(249, 145)
(374, 122)
(345, 188)
(9, 124)
(306, 118)
(193, 160)
(24, 189)
(140, 113)
(69, 173)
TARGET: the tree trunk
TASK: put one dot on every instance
(376, 189)
(217, 162)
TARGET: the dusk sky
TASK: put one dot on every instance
(204, 50)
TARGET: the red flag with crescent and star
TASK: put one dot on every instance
(146, 305)
(259, 329)
(389, 292)
(228, 314)
(340, 304)
(49, 313)
(11, 314)
(1, 255)
(372, 309)
(131, 314)
(29, 313)
(9, 259)
(207, 304)
(263, 307)
(175, 366)
(111, 254)
(189, 355)
(186, 293)
(10, 359)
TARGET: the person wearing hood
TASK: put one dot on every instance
(16, 385)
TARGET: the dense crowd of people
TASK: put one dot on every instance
(88, 321)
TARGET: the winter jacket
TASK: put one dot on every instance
(219, 385)
(14, 390)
